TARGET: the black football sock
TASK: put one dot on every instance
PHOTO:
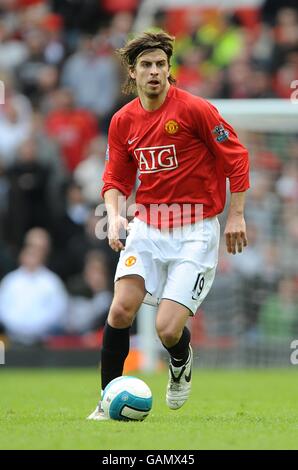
(179, 352)
(115, 348)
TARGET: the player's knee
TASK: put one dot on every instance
(120, 315)
(168, 336)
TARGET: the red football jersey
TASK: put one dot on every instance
(184, 152)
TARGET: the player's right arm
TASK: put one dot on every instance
(119, 179)
(114, 201)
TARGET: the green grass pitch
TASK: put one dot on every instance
(46, 409)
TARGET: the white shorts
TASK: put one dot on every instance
(178, 265)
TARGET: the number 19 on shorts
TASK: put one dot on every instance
(198, 286)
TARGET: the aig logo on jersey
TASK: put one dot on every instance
(154, 159)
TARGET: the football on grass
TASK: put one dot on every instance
(127, 399)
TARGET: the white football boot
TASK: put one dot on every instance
(98, 414)
(179, 384)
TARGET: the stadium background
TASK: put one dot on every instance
(62, 85)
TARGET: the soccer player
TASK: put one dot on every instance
(183, 151)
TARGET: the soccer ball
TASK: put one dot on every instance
(127, 399)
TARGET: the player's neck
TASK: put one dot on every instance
(153, 103)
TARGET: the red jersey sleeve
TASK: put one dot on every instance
(120, 170)
(222, 141)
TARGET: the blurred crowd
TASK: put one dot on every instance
(240, 54)
(62, 84)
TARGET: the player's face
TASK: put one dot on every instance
(151, 73)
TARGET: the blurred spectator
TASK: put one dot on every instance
(33, 301)
(81, 243)
(49, 155)
(71, 127)
(284, 59)
(237, 80)
(15, 120)
(79, 17)
(227, 320)
(188, 75)
(13, 52)
(38, 239)
(272, 270)
(270, 8)
(260, 85)
(264, 158)
(249, 269)
(91, 298)
(46, 82)
(68, 224)
(287, 184)
(88, 172)
(7, 262)
(257, 289)
(251, 260)
(285, 75)
(4, 190)
(54, 51)
(226, 40)
(279, 314)
(120, 27)
(28, 72)
(77, 210)
(28, 199)
(93, 75)
(42, 37)
(286, 36)
(289, 241)
(263, 208)
(262, 47)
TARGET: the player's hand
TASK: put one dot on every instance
(235, 234)
(115, 225)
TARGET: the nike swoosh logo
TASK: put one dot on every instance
(188, 377)
(177, 379)
(130, 141)
(174, 378)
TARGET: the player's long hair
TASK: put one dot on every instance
(144, 42)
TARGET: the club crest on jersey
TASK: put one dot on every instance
(154, 159)
(171, 127)
(221, 133)
(130, 261)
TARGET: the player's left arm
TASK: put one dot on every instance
(232, 160)
(235, 231)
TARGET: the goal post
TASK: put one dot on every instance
(260, 115)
